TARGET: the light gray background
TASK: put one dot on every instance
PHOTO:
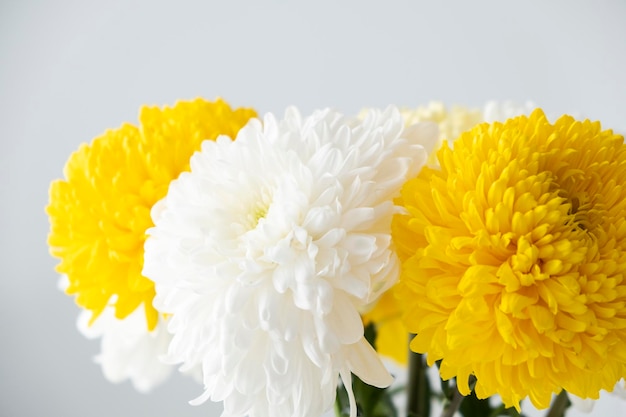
(71, 69)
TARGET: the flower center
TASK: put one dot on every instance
(579, 211)
(258, 210)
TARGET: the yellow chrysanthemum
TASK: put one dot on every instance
(387, 313)
(99, 214)
(515, 259)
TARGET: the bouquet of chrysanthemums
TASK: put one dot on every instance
(296, 265)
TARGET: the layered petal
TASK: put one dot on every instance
(514, 259)
(267, 250)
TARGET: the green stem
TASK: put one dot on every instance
(454, 404)
(416, 406)
(457, 398)
(559, 405)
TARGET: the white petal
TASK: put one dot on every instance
(345, 321)
(365, 363)
(264, 253)
(128, 349)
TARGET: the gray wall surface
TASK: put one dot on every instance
(69, 69)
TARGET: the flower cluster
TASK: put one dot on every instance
(100, 213)
(275, 258)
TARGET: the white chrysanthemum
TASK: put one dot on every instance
(128, 350)
(265, 252)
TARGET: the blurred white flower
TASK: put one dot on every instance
(267, 250)
(128, 351)
(454, 120)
